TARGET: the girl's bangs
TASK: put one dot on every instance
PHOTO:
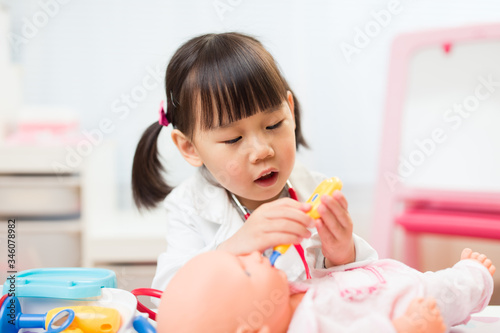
(236, 84)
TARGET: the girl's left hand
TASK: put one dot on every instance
(335, 230)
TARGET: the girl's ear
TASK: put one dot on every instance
(291, 104)
(186, 148)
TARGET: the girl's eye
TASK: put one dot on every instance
(230, 142)
(278, 124)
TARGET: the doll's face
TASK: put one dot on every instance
(269, 297)
(259, 271)
(219, 292)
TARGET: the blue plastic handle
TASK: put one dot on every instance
(65, 325)
(142, 325)
(12, 319)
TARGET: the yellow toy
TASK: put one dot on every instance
(90, 319)
(327, 186)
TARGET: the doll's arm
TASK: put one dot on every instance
(422, 316)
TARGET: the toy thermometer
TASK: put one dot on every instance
(327, 186)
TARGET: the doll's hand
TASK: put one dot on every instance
(335, 230)
(282, 221)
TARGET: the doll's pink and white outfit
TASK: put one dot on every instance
(367, 298)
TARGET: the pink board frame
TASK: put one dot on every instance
(386, 198)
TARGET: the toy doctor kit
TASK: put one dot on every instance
(75, 319)
(70, 300)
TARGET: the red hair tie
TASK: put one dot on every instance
(163, 116)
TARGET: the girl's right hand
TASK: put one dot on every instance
(283, 221)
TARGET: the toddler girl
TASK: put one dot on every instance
(235, 117)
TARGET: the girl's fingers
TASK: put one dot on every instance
(306, 207)
(324, 233)
(337, 210)
(286, 226)
(277, 238)
(329, 220)
(339, 196)
(285, 202)
(292, 215)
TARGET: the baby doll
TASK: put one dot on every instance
(220, 292)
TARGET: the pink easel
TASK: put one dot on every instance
(420, 208)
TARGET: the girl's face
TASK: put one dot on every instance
(252, 157)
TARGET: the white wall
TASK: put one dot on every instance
(88, 54)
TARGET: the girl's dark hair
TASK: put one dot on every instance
(211, 80)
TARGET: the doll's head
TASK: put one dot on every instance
(220, 292)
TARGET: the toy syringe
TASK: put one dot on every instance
(327, 186)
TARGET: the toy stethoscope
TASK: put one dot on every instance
(280, 249)
(146, 292)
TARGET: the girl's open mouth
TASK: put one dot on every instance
(267, 179)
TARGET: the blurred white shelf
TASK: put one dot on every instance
(41, 180)
(125, 237)
(30, 185)
(39, 195)
(37, 159)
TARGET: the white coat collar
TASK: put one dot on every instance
(211, 200)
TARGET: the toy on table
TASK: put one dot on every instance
(74, 319)
(328, 186)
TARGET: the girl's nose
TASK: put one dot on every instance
(261, 150)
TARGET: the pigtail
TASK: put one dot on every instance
(148, 185)
(299, 137)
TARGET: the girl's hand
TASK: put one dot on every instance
(282, 221)
(335, 230)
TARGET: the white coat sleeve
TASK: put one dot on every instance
(364, 254)
(185, 239)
